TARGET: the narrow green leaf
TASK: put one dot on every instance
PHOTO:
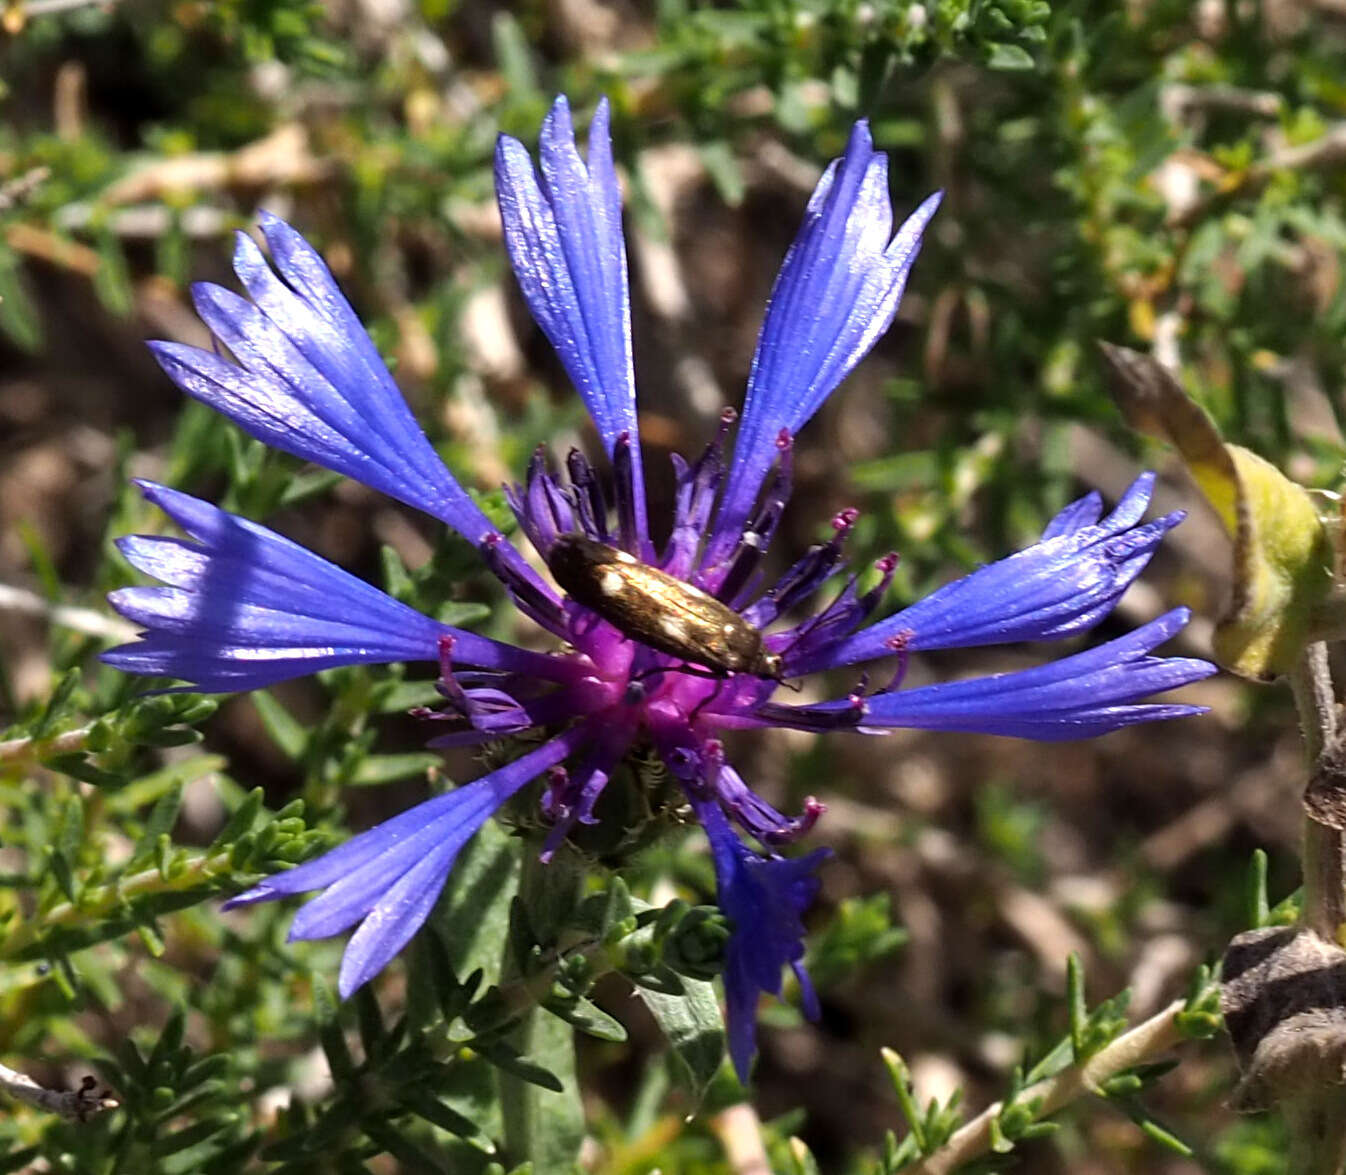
(378, 769)
(694, 1028)
(1259, 910)
(427, 1106)
(900, 1076)
(587, 1017)
(160, 822)
(514, 55)
(285, 731)
(18, 316)
(502, 1056)
(471, 917)
(1077, 1006)
(241, 819)
(59, 865)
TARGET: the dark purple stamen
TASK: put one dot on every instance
(753, 544)
(694, 499)
(558, 502)
(590, 504)
(571, 796)
(754, 814)
(803, 579)
(846, 613)
(529, 598)
(515, 498)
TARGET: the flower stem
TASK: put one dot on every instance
(540, 1126)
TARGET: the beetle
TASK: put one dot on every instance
(658, 609)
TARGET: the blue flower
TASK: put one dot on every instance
(244, 608)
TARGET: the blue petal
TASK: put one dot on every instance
(400, 912)
(1080, 696)
(308, 379)
(564, 238)
(246, 608)
(1058, 587)
(388, 878)
(764, 898)
(836, 294)
(1085, 511)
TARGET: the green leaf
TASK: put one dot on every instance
(587, 1017)
(722, 167)
(379, 769)
(694, 1028)
(472, 917)
(1005, 56)
(505, 1057)
(18, 316)
(162, 817)
(285, 731)
(514, 55)
(900, 1076)
(424, 1104)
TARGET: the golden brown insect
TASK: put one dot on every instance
(659, 610)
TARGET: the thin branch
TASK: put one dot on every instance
(79, 1105)
(282, 158)
(56, 7)
(86, 620)
(739, 1130)
(24, 750)
(1143, 1043)
(16, 191)
(1326, 151)
(52, 249)
(1180, 101)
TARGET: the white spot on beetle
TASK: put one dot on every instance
(673, 627)
(625, 557)
(730, 629)
(611, 583)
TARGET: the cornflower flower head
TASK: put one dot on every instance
(657, 647)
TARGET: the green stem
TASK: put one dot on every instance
(540, 1126)
(26, 750)
(1142, 1044)
(107, 899)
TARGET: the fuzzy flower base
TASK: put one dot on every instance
(244, 608)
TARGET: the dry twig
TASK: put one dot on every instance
(78, 1105)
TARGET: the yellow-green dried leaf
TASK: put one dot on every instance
(1282, 568)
